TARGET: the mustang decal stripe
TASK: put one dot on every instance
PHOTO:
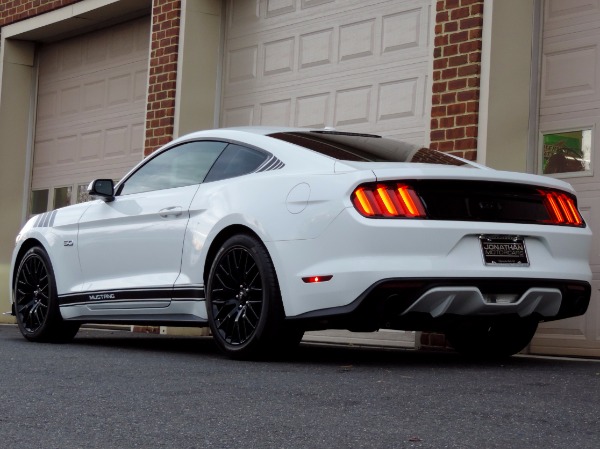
(195, 293)
(271, 164)
(45, 220)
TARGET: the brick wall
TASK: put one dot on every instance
(14, 10)
(456, 75)
(160, 113)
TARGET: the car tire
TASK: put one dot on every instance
(492, 340)
(36, 300)
(243, 301)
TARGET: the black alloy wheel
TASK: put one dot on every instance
(244, 306)
(36, 303)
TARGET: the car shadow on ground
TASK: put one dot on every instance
(307, 353)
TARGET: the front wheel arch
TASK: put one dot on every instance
(35, 299)
(25, 246)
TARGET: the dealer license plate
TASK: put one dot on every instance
(505, 250)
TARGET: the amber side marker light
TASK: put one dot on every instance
(561, 208)
(388, 200)
(316, 279)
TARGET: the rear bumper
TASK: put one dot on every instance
(434, 304)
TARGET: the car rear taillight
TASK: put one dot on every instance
(561, 208)
(388, 200)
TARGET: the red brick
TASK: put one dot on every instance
(475, 57)
(471, 22)
(450, 73)
(471, 69)
(440, 86)
(475, 34)
(470, 155)
(466, 119)
(470, 46)
(456, 61)
(477, 9)
(446, 145)
(461, 36)
(450, 27)
(473, 81)
(439, 111)
(460, 13)
(468, 95)
(466, 144)
(438, 134)
(449, 50)
(442, 17)
(446, 122)
(456, 109)
(455, 133)
(471, 131)
(440, 63)
(473, 106)
(457, 84)
(449, 98)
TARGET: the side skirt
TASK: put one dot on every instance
(183, 306)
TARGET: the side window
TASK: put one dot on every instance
(235, 161)
(183, 165)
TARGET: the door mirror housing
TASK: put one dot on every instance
(103, 189)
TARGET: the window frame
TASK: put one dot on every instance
(572, 126)
(227, 142)
(120, 185)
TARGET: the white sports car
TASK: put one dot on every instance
(263, 233)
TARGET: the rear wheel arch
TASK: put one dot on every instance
(248, 321)
(218, 241)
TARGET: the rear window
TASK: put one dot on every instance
(364, 147)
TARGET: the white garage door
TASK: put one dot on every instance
(354, 65)
(570, 146)
(90, 111)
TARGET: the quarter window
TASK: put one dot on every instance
(235, 161)
(183, 165)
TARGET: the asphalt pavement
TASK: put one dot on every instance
(115, 389)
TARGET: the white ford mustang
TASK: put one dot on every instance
(263, 233)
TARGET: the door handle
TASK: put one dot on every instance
(173, 211)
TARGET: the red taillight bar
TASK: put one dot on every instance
(388, 200)
(561, 208)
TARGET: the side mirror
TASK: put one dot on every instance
(103, 189)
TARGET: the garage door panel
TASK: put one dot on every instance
(569, 90)
(561, 17)
(570, 101)
(91, 105)
(243, 16)
(394, 102)
(353, 65)
(315, 49)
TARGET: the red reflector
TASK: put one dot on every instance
(388, 200)
(316, 279)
